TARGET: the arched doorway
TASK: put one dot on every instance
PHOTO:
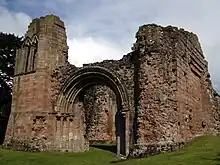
(87, 77)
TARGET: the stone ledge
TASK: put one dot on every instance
(36, 145)
(27, 145)
(146, 150)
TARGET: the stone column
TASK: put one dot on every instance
(21, 61)
(71, 134)
(61, 135)
(25, 59)
(31, 59)
(54, 121)
(17, 61)
(58, 132)
(118, 133)
(126, 116)
(65, 133)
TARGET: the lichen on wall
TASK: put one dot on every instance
(153, 100)
(100, 108)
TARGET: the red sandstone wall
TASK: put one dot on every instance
(100, 107)
(31, 93)
(190, 88)
(124, 70)
(174, 104)
(157, 106)
(32, 88)
(166, 78)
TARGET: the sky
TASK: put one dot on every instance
(105, 29)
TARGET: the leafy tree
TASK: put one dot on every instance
(8, 45)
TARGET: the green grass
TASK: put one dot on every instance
(203, 151)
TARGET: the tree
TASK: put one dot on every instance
(8, 45)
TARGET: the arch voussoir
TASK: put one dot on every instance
(87, 77)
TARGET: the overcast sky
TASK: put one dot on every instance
(105, 29)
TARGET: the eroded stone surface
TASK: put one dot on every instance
(153, 100)
(100, 108)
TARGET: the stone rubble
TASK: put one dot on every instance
(153, 100)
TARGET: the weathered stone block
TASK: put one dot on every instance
(153, 100)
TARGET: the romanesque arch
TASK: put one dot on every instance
(87, 77)
(166, 75)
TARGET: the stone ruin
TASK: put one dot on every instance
(155, 99)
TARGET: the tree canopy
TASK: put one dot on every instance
(8, 45)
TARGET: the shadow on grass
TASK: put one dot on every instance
(111, 148)
(128, 159)
(118, 161)
(217, 158)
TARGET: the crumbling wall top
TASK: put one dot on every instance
(48, 19)
(150, 32)
(36, 24)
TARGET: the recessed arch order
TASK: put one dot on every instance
(87, 77)
(95, 75)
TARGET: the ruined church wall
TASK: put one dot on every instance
(99, 102)
(171, 98)
(31, 90)
(176, 99)
(100, 107)
(32, 80)
(191, 70)
(124, 70)
(156, 82)
(217, 112)
(195, 95)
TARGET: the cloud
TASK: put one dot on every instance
(118, 21)
(88, 50)
(3, 2)
(213, 57)
(12, 22)
(102, 29)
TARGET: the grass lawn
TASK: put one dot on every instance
(203, 151)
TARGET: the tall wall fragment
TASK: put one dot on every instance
(176, 100)
(159, 96)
